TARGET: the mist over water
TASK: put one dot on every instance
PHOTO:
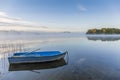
(37, 35)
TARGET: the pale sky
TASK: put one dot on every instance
(58, 15)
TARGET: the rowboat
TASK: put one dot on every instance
(32, 57)
(37, 66)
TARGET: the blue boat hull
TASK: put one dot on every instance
(33, 59)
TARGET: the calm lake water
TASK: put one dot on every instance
(90, 58)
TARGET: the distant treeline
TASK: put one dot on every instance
(104, 31)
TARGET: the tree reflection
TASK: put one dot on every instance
(103, 38)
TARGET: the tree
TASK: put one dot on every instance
(104, 31)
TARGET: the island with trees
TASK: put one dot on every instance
(104, 31)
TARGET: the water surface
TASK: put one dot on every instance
(89, 59)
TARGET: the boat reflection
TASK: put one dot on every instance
(37, 66)
(104, 38)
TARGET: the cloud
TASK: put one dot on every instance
(82, 8)
(3, 14)
(7, 21)
(10, 23)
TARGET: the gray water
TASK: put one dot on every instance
(90, 58)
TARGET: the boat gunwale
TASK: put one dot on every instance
(38, 56)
